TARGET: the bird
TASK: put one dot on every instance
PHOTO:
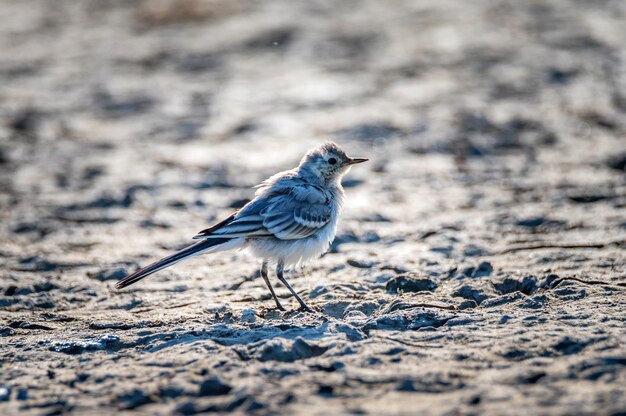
(291, 220)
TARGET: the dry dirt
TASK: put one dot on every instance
(479, 266)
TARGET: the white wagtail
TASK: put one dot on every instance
(292, 219)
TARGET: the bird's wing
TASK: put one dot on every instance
(290, 215)
(290, 219)
(243, 226)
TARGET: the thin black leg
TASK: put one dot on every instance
(269, 285)
(279, 272)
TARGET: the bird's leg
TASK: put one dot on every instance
(269, 285)
(279, 273)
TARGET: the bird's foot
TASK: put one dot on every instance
(306, 308)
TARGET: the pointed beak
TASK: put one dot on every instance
(355, 160)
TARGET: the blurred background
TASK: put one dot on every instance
(102, 102)
(96, 89)
(494, 128)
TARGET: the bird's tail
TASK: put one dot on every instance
(211, 244)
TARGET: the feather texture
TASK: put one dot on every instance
(284, 213)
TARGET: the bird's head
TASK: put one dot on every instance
(329, 161)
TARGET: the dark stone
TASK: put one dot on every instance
(342, 239)
(535, 302)
(44, 287)
(501, 300)
(28, 325)
(276, 350)
(411, 319)
(199, 62)
(217, 176)
(445, 250)
(468, 292)
(561, 76)
(474, 251)
(475, 123)
(427, 234)
(589, 198)
(527, 285)
(56, 317)
(22, 394)
(568, 346)
(26, 122)
(171, 391)
(109, 274)
(375, 218)
(515, 354)
(252, 405)
(337, 365)
(478, 136)
(430, 383)
(25, 227)
(37, 264)
(105, 201)
(549, 281)
(600, 120)
(467, 304)
(482, 270)
(187, 408)
(244, 128)
(540, 223)
(213, 386)
(176, 204)
(109, 325)
(118, 107)
(473, 401)
(92, 172)
(81, 377)
(410, 282)
(460, 321)
(274, 39)
(406, 385)
(361, 264)
(351, 182)
(394, 351)
(150, 223)
(617, 162)
(45, 303)
(134, 399)
(238, 203)
(370, 237)
(325, 390)
(533, 377)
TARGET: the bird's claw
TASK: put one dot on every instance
(305, 308)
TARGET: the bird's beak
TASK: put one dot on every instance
(355, 160)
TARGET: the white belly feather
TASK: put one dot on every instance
(294, 252)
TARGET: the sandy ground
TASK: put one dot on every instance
(479, 266)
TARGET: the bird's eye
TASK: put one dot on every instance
(332, 160)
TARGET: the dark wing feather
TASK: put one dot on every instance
(290, 213)
(214, 227)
